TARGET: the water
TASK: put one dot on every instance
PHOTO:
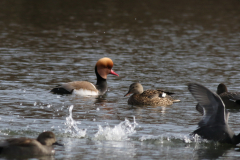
(162, 44)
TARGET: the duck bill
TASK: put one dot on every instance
(58, 144)
(114, 73)
(127, 94)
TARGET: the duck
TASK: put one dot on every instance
(214, 123)
(42, 146)
(103, 67)
(230, 99)
(148, 97)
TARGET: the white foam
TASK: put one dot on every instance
(84, 92)
(168, 137)
(117, 133)
(72, 127)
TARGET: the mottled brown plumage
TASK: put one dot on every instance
(149, 97)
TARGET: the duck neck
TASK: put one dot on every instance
(101, 83)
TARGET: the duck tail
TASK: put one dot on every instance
(237, 139)
(176, 100)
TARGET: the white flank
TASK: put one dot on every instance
(164, 94)
(84, 92)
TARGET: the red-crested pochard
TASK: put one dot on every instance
(149, 97)
(102, 69)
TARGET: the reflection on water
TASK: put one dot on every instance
(112, 149)
(162, 44)
(211, 151)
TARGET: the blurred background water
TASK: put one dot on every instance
(162, 44)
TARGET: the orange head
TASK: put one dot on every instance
(104, 67)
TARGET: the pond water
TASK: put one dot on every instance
(162, 44)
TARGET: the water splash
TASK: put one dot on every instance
(117, 133)
(72, 127)
(168, 137)
(195, 138)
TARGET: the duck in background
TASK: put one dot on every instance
(230, 99)
(103, 67)
(214, 124)
(149, 97)
(27, 147)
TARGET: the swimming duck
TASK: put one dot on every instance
(230, 99)
(41, 146)
(102, 69)
(149, 97)
(214, 124)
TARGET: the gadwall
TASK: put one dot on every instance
(149, 97)
(42, 146)
(102, 69)
(214, 124)
(230, 99)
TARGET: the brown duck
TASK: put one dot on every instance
(230, 99)
(149, 97)
(27, 147)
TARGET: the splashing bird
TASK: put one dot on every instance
(214, 124)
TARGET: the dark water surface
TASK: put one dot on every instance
(162, 44)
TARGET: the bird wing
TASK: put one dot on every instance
(214, 108)
(168, 93)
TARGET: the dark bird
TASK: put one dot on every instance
(230, 99)
(214, 124)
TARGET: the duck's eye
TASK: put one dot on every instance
(49, 136)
